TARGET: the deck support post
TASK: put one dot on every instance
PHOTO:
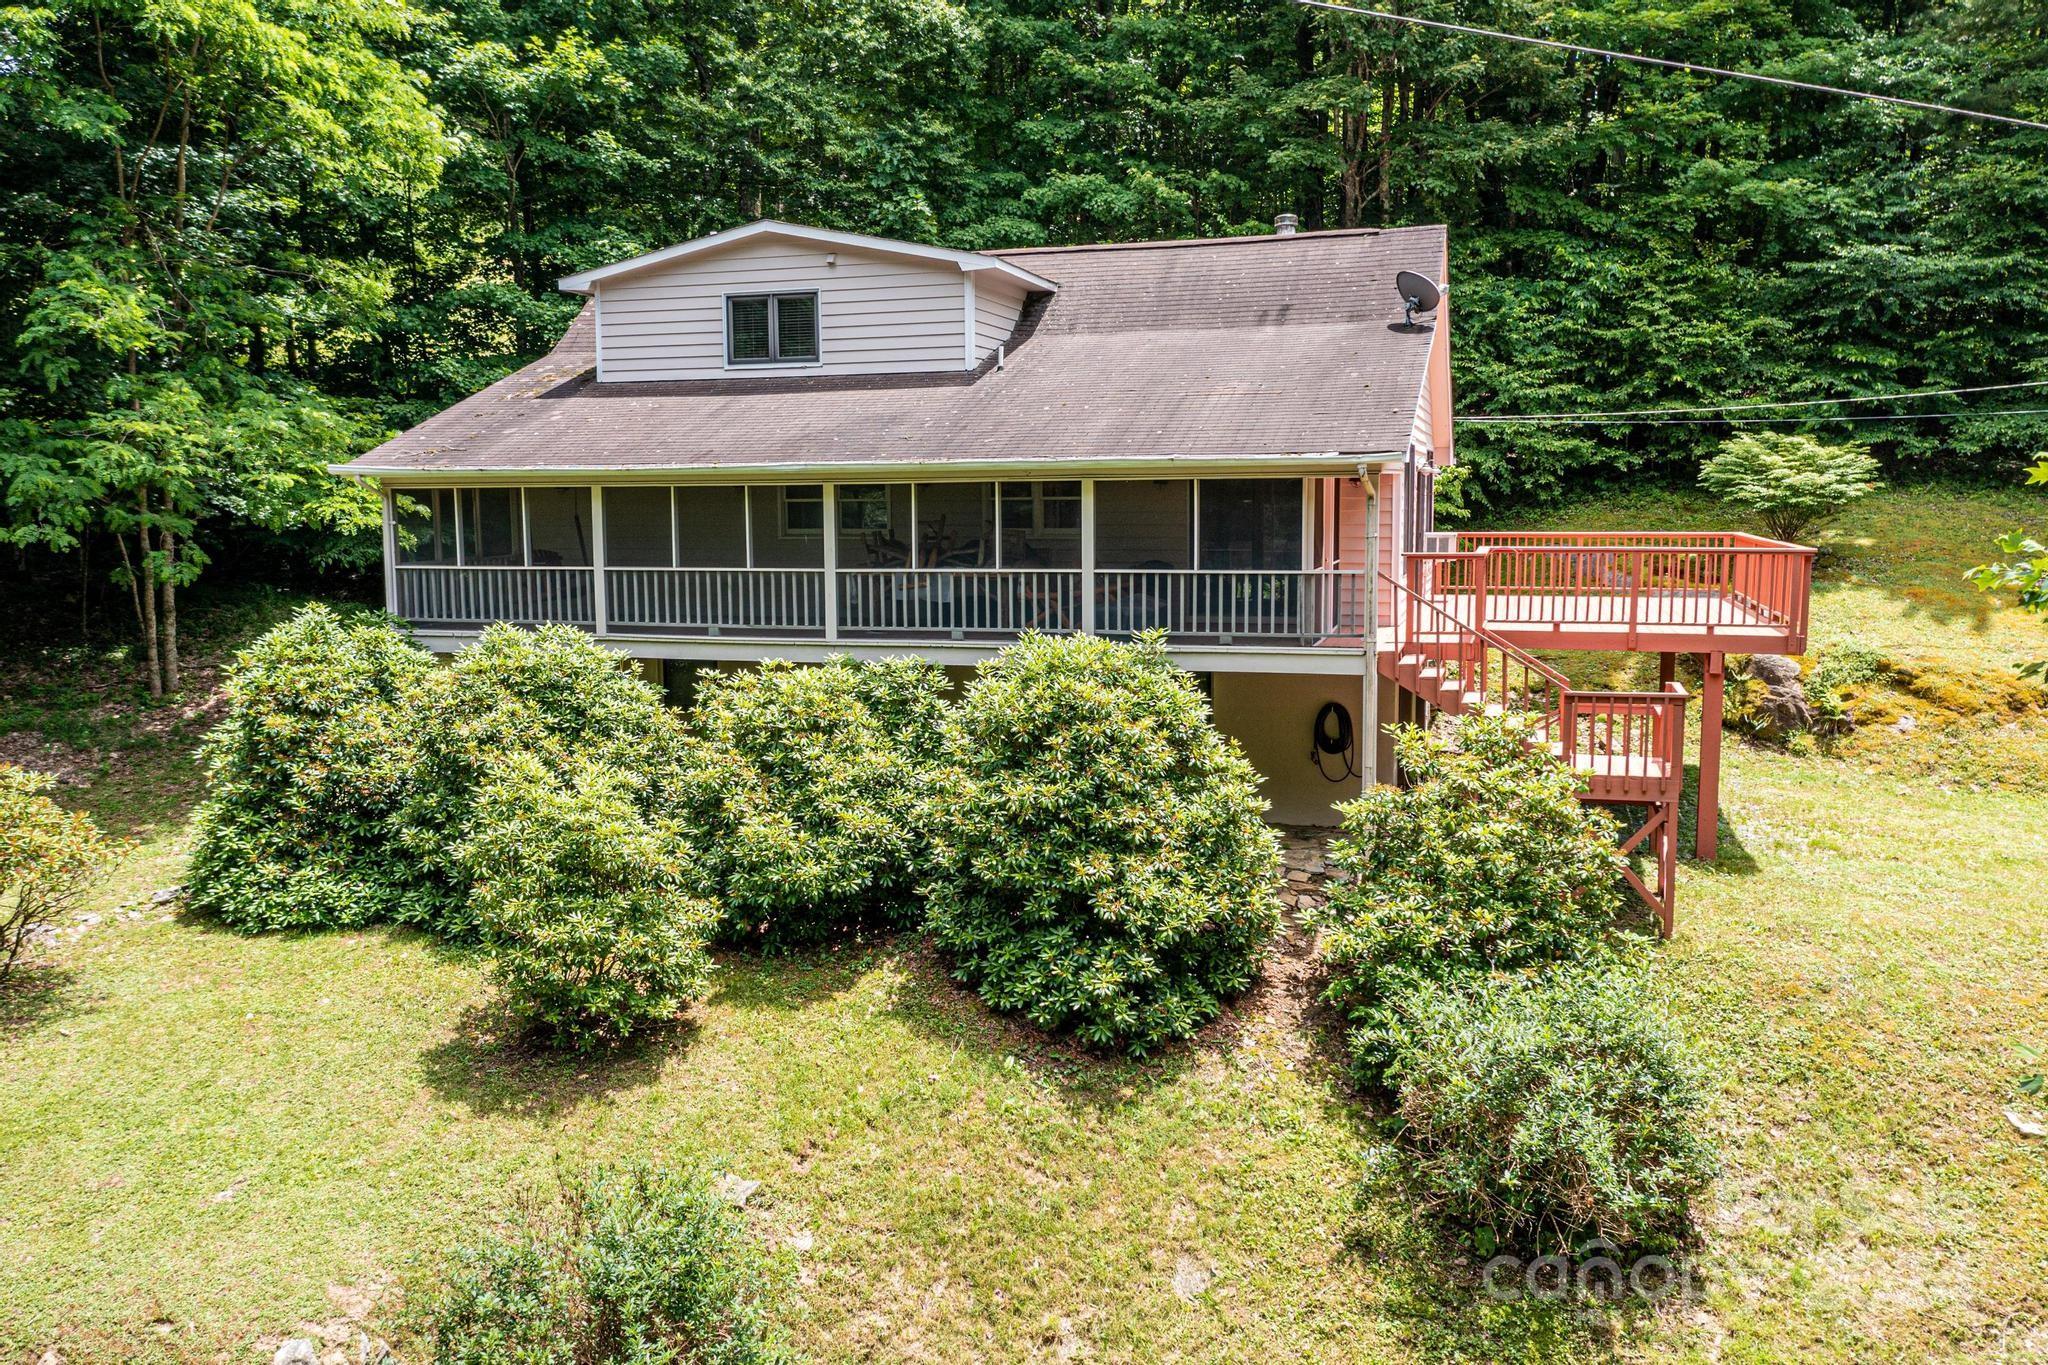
(1667, 670)
(1706, 837)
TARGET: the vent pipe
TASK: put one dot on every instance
(1285, 224)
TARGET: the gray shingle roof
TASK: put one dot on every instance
(1205, 350)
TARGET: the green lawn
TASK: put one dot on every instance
(209, 1139)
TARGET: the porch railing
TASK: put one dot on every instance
(712, 601)
(1229, 605)
(1704, 581)
(473, 594)
(958, 602)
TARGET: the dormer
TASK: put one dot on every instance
(780, 299)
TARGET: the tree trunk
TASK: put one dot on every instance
(151, 661)
(167, 620)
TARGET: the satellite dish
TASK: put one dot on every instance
(1419, 294)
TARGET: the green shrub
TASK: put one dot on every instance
(585, 902)
(1104, 867)
(631, 1266)
(1487, 861)
(1792, 483)
(305, 771)
(1541, 1109)
(48, 855)
(809, 788)
(553, 694)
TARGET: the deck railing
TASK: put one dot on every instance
(1626, 581)
(958, 602)
(713, 601)
(1228, 605)
(474, 593)
(1631, 745)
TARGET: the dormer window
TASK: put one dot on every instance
(770, 329)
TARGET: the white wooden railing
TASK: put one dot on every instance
(435, 593)
(1229, 605)
(711, 601)
(1208, 606)
(950, 602)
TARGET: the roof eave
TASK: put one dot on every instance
(1325, 462)
(585, 282)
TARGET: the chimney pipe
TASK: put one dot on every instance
(1285, 224)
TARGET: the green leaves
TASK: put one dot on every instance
(1103, 868)
(1791, 483)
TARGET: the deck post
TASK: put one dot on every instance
(1707, 834)
(830, 510)
(1667, 670)
(1087, 552)
(600, 609)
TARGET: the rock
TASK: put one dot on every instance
(734, 1190)
(1905, 725)
(165, 895)
(2026, 1127)
(1780, 707)
(1191, 1279)
(297, 1351)
(53, 1356)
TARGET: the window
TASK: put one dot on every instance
(767, 329)
(558, 527)
(803, 510)
(1042, 524)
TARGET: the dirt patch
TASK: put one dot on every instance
(28, 749)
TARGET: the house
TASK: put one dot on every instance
(781, 441)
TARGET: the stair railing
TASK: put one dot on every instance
(1496, 674)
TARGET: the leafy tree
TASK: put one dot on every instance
(168, 160)
(1791, 483)
(48, 856)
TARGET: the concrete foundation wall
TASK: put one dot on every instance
(1272, 717)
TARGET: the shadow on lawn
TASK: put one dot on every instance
(35, 995)
(492, 1066)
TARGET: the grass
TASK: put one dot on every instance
(210, 1139)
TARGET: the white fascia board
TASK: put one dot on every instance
(585, 282)
(1328, 463)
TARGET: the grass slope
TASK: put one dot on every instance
(211, 1139)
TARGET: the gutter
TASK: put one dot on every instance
(1330, 463)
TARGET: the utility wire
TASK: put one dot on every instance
(1749, 407)
(1693, 67)
(1595, 421)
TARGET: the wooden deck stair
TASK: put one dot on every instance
(1628, 746)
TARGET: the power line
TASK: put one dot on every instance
(1592, 420)
(1693, 67)
(1749, 407)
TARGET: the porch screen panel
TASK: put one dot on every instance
(874, 525)
(558, 527)
(711, 527)
(789, 526)
(491, 531)
(1042, 524)
(1144, 524)
(636, 528)
(1251, 524)
(956, 525)
(426, 530)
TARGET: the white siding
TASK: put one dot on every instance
(998, 303)
(877, 314)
